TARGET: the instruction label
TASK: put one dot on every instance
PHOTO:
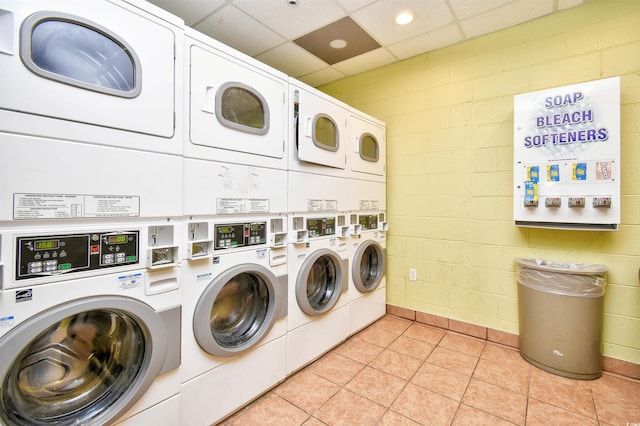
(65, 206)
(242, 205)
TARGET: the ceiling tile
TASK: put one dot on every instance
(377, 19)
(190, 11)
(467, 8)
(292, 60)
(352, 5)
(231, 26)
(292, 21)
(323, 76)
(433, 40)
(505, 16)
(370, 60)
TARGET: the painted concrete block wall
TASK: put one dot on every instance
(450, 162)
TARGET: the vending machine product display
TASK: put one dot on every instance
(567, 156)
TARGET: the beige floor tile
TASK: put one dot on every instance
(376, 386)
(540, 413)
(412, 347)
(307, 390)
(572, 395)
(336, 368)
(621, 388)
(313, 422)
(615, 411)
(399, 365)
(395, 324)
(496, 401)
(469, 416)
(425, 407)
(453, 360)
(378, 336)
(348, 408)
(425, 333)
(271, 411)
(464, 344)
(391, 418)
(358, 350)
(501, 375)
(441, 381)
(509, 357)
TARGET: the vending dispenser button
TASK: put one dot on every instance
(552, 202)
(576, 202)
(602, 202)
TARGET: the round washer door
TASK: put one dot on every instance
(321, 280)
(86, 361)
(368, 266)
(237, 309)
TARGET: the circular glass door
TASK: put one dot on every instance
(368, 266)
(236, 310)
(84, 362)
(320, 282)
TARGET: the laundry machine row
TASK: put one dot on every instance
(142, 158)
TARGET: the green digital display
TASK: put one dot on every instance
(256, 227)
(47, 244)
(117, 239)
(225, 229)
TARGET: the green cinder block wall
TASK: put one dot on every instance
(449, 116)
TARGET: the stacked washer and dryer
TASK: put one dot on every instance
(235, 204)
(90, 204)
(181, 226)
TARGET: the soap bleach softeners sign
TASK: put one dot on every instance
(567, 156)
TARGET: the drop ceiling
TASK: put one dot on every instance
(271, 30)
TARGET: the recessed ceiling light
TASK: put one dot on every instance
(404, 18)
(338, 43)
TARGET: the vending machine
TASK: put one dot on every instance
(567, 157)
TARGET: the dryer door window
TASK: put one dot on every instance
(79, 54)
(369, 149)
(84, 368)
(240, 107)
(368, 267)
(325, 133)
(239, 310)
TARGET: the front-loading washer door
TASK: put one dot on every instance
(368, 267)
(321, 280)
(86, 361)
(237, 309)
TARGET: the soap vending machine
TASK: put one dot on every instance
(567, 156)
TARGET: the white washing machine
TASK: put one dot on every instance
(90, 127)
(367, 277)
(234, 306)
(318, 133)
(237, 106)
(318, 283)
(89, 333)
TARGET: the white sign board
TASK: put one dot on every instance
(567, 156)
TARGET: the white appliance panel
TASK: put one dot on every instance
(231, 189)
(77, 84)
(316, 193)
(44, 179)
(319, 141)
(252, 131)
(368, 148)
(366, 195)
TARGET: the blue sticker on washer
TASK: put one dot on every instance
(7, 321)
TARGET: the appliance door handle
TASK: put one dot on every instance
(209, 101)
(308, 128)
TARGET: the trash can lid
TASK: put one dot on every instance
(562, 267)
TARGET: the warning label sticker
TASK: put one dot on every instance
(65, 206)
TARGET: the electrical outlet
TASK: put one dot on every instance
(413, 274)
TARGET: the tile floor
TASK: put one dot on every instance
(399, 372)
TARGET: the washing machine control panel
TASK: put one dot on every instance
(234, 235)
(368, 221)
(318, 227)
(48, 255)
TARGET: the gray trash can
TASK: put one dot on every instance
(560, 309)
